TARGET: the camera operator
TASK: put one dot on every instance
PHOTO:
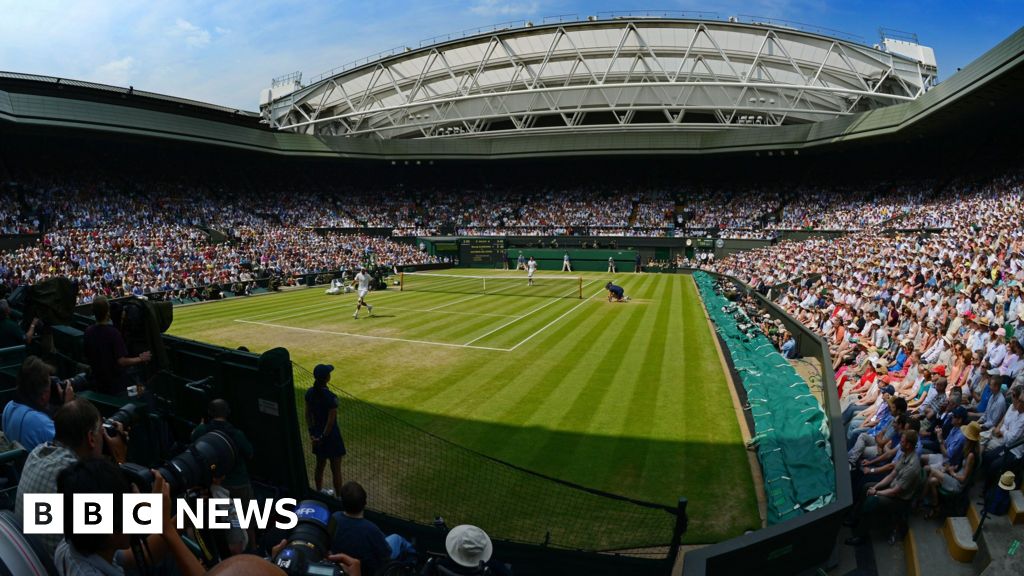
(235, 481)
(25, 418)
(106, 352)
(10, 333)
(109, 554)
(79, 435)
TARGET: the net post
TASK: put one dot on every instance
(677, 532)
(401, 281)
(580, 278)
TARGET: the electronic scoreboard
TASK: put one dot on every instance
(481, 252)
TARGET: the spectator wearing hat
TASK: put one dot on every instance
(998, 499)
(953, 476)
(469, 552)
(322, 424)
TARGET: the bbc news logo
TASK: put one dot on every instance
(143, 513)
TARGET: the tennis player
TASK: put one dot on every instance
(531, 267)
(362, 283)
(615, 293)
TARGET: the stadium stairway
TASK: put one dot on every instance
(948, 548)
(943, 548)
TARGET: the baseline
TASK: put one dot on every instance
(549, 324)
(538, 309)
(370, 337)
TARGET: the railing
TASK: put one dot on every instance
(807, 541)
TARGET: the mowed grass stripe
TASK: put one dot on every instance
(621, 368)
(581, 410)
(620, 397)
(565, 367)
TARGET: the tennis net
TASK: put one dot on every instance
(542, 286)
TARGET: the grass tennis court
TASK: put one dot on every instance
(628, 398)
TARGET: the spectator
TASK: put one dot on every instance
(469, 552)
(106, 352)
(322, 423)
(891, 496)
(81, 554)
(999, 456)
(10, 333)
(25, 418)
(79, 435)
(355, 535)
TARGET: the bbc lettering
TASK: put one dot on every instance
(143, 513)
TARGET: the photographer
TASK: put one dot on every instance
(25, 419)
(237, 480)
(10, 333)
(109, 554)
(106, 352)
(79, 435)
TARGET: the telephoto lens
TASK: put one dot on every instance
(309, 542)
(127, 415)
(210, 456)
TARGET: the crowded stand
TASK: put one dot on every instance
(926, 334)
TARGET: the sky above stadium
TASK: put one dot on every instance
(226, 52)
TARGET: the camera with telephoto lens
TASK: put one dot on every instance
(211, 456)
(57, 386)
(127, 415)
(309, 542)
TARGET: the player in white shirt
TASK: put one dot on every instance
(362, 283)
(531, 267)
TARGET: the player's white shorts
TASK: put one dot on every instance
(529, 274)
(362, 294)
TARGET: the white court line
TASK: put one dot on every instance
(549, 324)
(553, 301)
(446, 344)
(321, 305)
(335, 303)
(447, 312)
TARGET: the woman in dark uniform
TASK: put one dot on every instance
(322, 422)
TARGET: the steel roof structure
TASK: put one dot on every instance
(987, 89)
(629, 74)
